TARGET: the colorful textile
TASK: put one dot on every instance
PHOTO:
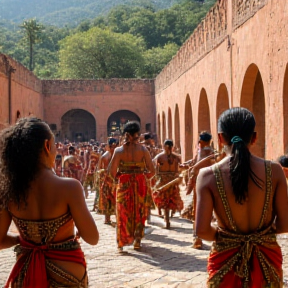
(35, 254)
(107, 196)
(99, 180)
(131, 207)
(246, 261)
(169, 197)
(89, 182)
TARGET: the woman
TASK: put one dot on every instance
(131, 162)
(44, 207)
(249, 198)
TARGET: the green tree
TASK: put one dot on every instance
(32, 31)
(100, 53)
(156, 58)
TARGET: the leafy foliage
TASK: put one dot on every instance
(130, 41)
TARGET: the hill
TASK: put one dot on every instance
(69, 12)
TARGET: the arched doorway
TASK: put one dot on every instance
(203, 113)
(222, 100)
(78, 125)
(177, 129)
(285, 110)
(188, 129)
(163, 127)
(117, 120)
(169, 123)
(158, 129)
(253, 98)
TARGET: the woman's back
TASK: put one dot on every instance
(246, 216)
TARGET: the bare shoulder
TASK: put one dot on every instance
(159, 156)
(276, 169)
(68, 185)
(118, 150)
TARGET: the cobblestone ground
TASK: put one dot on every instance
(166, 259)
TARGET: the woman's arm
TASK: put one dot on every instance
(280, 200)
(83, 219)
(7, 240)
(204, 208)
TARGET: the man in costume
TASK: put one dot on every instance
(106, 191)
(89, 178)
(132, 164)
(166, 193)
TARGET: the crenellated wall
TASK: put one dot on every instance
(237, 56)
(20, 92)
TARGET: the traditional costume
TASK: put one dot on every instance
(107, 196)
(245, 260)
(167, 196)
(36, 252)
(99, 180)
(131, 202)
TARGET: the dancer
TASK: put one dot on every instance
(249, 197)
(47, 248)
(132, 163)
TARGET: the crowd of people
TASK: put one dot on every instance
(131, 175)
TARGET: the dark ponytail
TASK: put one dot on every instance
(237, 126)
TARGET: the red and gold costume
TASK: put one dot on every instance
(248, 261)
(36, 252)
(99, 180)
(107, 198)
(168, 197)
(131, 202)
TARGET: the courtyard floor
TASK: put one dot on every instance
(166, 259)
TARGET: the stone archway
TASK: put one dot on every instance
(163, 127)
(188, 129)
(117, 120)
(222, 101)
(169, 123)
(177, 129)
(78, 125)
(203, 113)
(285, 111)
(253, 98)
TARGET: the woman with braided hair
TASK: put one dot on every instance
(249, 198)
(45, 209)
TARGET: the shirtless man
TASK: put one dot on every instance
(167, 169)
(133, 165)
(71, 164)
(107, 195)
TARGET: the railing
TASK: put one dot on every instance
(209, 34)
(245, 9)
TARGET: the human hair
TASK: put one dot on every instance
(112, 141)
(168, 142)
(205, 136)
(237, 126)
(131, 128)
(147, 136)
(283, 160)
(20, 149)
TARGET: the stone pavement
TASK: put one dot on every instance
(166, 259)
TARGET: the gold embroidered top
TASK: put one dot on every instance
(245, 245)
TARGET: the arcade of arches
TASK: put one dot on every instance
(237, 56)
(234, 68)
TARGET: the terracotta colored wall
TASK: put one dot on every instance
(238, 47)
(101, 98)
(26, 92)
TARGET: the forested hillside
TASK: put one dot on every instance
(68, 12)
(129, 41)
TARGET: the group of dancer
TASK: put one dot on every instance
(240, 201)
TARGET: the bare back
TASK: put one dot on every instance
(247, 216)
(130, 152)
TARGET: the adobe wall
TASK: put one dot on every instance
(101, 98)
(237, 55)
(25, 92)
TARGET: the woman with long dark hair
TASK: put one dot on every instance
(249, 198)
(45, 209)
